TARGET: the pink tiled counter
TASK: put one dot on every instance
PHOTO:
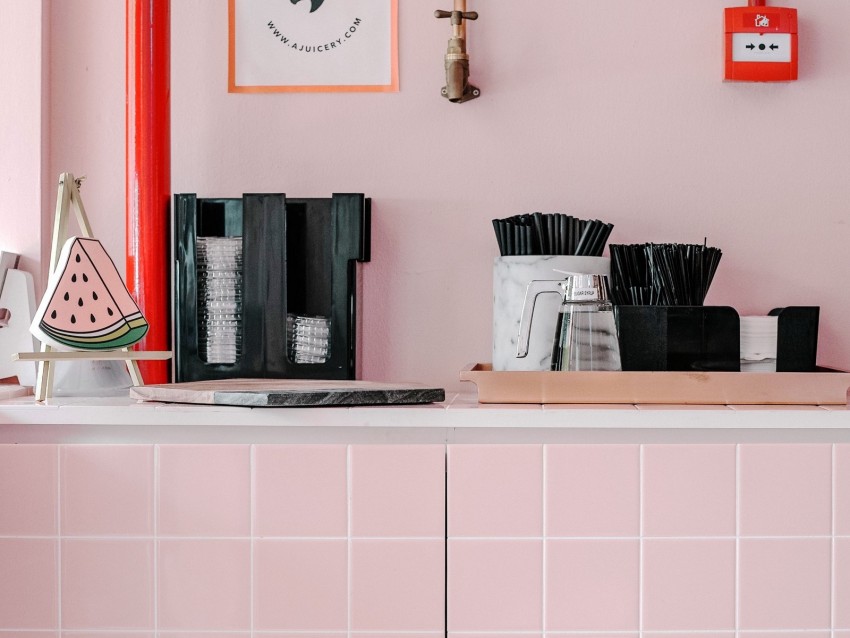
(691, 539)
(463, 521)
(222, 538)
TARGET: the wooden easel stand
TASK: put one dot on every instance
(68, 198)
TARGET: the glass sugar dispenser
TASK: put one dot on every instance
(585, 334)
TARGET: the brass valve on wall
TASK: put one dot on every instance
(458, 89)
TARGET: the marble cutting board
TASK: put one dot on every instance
(287, 393)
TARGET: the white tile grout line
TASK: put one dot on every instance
(737, 538)
(349, 562)
(622, 632)
(446, 451)
(722, 537)
(156, 501)
(59, 449)
(260, 632)
(414, 632)
(832, 500)
(252, 495)
(640, 539)
(151, 537)
(124, 537)
(544, 452)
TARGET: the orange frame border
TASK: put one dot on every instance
(232, 87)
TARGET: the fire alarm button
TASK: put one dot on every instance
(761, 43)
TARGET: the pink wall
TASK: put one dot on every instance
(87, 111)
(611, 110)
(23, 151)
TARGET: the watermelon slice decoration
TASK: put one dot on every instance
(87, 306)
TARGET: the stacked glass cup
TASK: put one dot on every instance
(308, 338)
(219, 298)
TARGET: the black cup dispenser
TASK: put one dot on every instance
(295, 270)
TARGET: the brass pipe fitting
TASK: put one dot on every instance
(457, 87)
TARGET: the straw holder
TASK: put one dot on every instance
(707, 338)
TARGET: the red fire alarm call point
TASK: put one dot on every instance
(761, 43)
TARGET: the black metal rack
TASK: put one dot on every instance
(299, 257)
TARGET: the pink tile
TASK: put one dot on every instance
(710, 634)
(33, 634)
(398, 585)
(784, 583)
(679, 407)
(204, 584)
(495, 585)
(688, 585)
(768, 406)
(28, 586)
(106, 489)
(689, 490)
(300, 585)
(107, 584)
(112, 634)
(204, 490)
(511, 635)
(842, 583)
(204, 634)
(599, 407)
(28, 490)
(788, 634)
(300, 490)
(842, 490)
(495, 490)
(778, 480)
(592, 490)
(592, 585)
(398, 490)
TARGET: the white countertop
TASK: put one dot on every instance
(457, 420)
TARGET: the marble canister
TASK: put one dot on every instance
(511, 276)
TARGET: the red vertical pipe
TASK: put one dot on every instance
(148, 186)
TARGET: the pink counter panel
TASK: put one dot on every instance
(747, 540)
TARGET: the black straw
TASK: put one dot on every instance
(551, 234)
(662, 274)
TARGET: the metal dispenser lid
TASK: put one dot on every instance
(580, 288)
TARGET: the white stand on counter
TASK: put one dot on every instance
(18, 296)
(68, 195)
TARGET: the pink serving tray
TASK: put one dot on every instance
(824, 387)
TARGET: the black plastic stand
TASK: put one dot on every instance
(298, 257)
(680, 338)
(708, 338)
(797, 338)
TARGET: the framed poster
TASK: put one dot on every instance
(313, 45)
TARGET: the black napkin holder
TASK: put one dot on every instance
(708, 338)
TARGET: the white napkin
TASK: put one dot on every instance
(758, 338)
